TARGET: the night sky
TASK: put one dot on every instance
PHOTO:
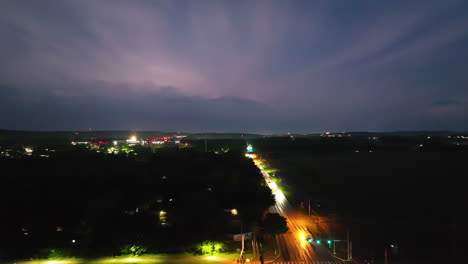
(240, 66)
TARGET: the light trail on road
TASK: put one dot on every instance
(294, 245)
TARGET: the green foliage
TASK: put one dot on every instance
(274, 224)
(125, 148)
(54, 253)
(133, 249)
(209, 247)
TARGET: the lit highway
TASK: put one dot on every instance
(294, 245)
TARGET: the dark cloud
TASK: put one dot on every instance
(123, 106)
(447, 102)
(259, 66)
(162, 109)
(449, 112)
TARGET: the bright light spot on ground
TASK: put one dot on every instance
(49, 262)
(252, 156)
(212, 258)
(302, 236)
(279, 197)
(273, 185)
(58, 261)
(132, 259)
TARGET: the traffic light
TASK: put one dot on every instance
(318, 241)
(249, 148)
(310, 240)
(329, 242)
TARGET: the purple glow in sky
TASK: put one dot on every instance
(246, 66)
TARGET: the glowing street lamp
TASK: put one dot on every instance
(234, 212)
(132, 139)
(249, 148)
(387, 255)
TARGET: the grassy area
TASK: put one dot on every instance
(146, 259)
(166, 261)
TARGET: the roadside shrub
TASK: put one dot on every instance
(133, 249)
(54, 253)
(209, 247)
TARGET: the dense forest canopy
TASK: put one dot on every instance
(169, 201)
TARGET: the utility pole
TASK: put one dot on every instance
(253, 247)
(262, 258)
(242, 251)
(385, 255)
(347, 239)
(333, 227)
(309, 207)
(206, 143)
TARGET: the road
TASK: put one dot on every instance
(293, 245)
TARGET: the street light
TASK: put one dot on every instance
(386, 255)
(234, 212)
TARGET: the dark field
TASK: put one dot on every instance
(413, 199)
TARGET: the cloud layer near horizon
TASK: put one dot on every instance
(253, 66)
